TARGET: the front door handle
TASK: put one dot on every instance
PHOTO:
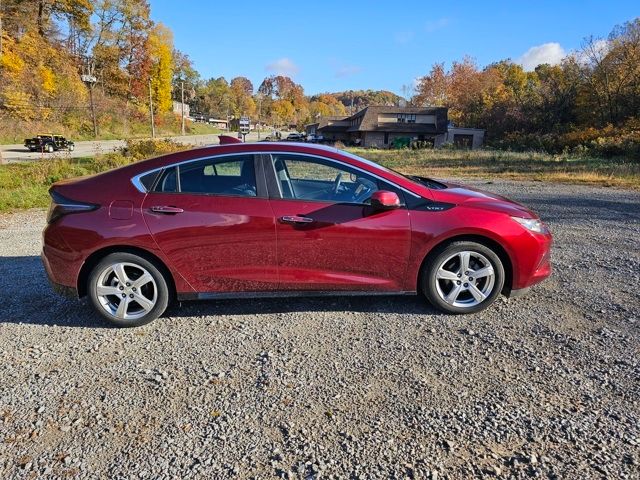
(295, 219)
(166, 209)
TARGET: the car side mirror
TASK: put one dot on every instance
(385, 200)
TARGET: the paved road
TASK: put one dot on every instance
(18, 153)
(544, 386)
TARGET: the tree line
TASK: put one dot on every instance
(50, 46)
(591, 98)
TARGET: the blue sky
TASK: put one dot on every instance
(352, 44)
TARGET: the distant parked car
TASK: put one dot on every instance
(314, 138)
(274, 136)
(295, 137)
(49, 143)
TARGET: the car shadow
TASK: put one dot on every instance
(399, 304)
(28, 299)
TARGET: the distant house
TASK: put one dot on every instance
(463, 137)
(177, 109)
(382, 127)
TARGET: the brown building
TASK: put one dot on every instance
(381, 127)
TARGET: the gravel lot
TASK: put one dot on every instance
(544, 386)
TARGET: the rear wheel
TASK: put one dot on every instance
(128, 290)
(464, 277)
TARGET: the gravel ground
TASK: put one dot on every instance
(544, 386)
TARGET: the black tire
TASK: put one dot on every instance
(71, 148)
(133, 262)
(434, 288)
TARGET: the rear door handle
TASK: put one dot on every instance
(295, 219)
(166, 209)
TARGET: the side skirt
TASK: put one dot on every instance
(287, 294)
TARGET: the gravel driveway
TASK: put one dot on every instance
(543, 386)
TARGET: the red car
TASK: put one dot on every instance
(283, 220)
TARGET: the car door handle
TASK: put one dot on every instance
(295, 219)
(166, 209)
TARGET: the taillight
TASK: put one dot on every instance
(61, 206)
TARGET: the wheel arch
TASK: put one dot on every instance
(93, 259)
(481, 239)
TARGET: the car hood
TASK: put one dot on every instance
(475, 198)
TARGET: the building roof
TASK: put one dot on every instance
(368, 121)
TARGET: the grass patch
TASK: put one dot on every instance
(26, 185)
(533, 166)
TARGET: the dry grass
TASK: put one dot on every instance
(25, 185)
(533, 166)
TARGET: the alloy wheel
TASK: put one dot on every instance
(126, 291)
(465, 279)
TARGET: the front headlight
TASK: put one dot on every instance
(532, 224)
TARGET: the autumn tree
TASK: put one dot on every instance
(161, 55)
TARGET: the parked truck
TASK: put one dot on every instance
(48, 143)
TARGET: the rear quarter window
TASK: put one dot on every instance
(149, 180)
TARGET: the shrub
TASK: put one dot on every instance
(607, 142)
(142, 149)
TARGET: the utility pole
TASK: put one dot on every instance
(0, 28)
(90, 80)
(182, 103)
(153, 125)
(93, 110)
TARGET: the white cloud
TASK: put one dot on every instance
(433, 25)
(283, 66)
(403, 38)
(347, 70)
(551, 53)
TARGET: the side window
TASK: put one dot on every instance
(314, 178)
(168, 182)
(231, 175)
(148, 180)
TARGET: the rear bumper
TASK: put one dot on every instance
(66, 290)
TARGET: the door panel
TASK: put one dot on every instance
(345, 247)
(212, 220)
(218, 243)
(329, 238)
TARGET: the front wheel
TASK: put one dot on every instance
(72, 148)
(464, 277)
(50, 148)
(128, 290)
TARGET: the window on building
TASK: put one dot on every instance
(406, 118)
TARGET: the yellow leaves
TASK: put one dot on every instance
(160, 46)
(11, 60)
(48, 79)
(283, 110)
(18, 103)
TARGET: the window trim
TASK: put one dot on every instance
(275, 185)
(261, 187)
(266, 178)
